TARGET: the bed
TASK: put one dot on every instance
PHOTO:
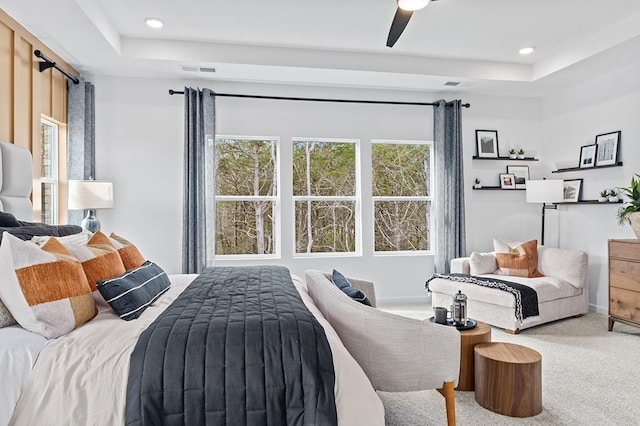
(74, 366)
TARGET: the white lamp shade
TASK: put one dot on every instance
(412, 4)
(545, 191)
(90, 194)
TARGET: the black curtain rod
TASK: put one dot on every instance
(286, 98)
(48, 63)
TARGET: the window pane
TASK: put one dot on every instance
(324, 168)
(48, 142)
(48, 203)
(245, 167)
(400, 169)
(244, 227)
(401, 225)
(325, 226)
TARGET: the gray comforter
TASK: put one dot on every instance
(238, 347)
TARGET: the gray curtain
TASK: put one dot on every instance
(81, 154)
(199, 136)
(449, 194)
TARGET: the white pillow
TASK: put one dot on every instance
(482, 263)
(77, 239)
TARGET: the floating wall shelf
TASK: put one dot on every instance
(578, 169)
(493, 188)
(475, 157)
(592, 202)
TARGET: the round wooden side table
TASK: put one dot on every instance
(508, 379)
(481, 333)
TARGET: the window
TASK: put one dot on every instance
(401, 189)
(326, 196)
(247, 200)
(49, 171)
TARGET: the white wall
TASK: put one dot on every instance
(139, 139)
(570, 119)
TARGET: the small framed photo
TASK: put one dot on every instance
(521, 174)
(607, 152)
(572, 190)
(487, 143)
(507, 181)
(588, 156)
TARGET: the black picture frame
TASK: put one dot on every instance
(507, 181)
(607, 152)
(521, 174)
(588, 156)
(572, 191)
(487, 144)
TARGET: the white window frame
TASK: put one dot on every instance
(276, 199)
(54, 179)
(357, 198)
(429, 198)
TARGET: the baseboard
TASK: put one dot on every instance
(598, 309)
(403, 300)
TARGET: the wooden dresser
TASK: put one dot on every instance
(624, 282)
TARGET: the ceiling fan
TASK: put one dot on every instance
(402, 16)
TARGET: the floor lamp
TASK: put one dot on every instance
(546, 192)
(90, 195)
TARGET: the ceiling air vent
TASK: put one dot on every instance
(452, 83)
(197, 69)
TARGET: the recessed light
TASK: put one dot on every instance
(154, 23)
(526, 50)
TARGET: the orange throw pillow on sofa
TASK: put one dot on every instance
(519, 261)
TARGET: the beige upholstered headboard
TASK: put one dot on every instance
(15, 181)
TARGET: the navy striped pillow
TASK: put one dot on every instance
(131, 293)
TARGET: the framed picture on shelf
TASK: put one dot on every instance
(607, 152)
(521, 174)
(572, 190)
(487, 143)
(587, 156)
(507, 181)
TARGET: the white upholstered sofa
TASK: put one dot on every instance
(398, 354)
(562, 292)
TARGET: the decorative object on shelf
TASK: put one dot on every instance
(572, 190)
(604, 196)
(487, 143)
(459, 309)
(476, 184)
(613, 196)
(521, 154)
(507, 181)
(521, 174)
(630, 212)
(90, 195)
(545, 191)
(587, 156)
(607, 152)
(512, 154)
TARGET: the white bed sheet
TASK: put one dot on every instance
(19, 349)
(81, 378)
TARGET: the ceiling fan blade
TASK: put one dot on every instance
(400, 21)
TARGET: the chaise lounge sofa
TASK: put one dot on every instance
(562, 290)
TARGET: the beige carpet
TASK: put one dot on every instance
(589, 377)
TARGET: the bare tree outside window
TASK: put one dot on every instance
(246, 195)
(325, 195)
(401, 189)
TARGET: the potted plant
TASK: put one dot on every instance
(476, 184)
(521, 154)
(604, 194)
(613, 196)
(630, 211)
(512, 153)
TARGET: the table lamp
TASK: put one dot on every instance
(545, 191)
(90, 195)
